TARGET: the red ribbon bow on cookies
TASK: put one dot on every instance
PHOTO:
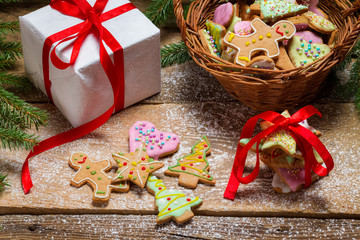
(304, 138)
(93, 18)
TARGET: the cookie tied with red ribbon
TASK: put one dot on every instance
(288, 145)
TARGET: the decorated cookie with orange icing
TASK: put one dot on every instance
(94, 173)
(135, 166)
(171, 204)
(194, 167)
(263, 39)
(319, 23)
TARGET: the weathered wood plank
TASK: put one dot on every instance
(332, 196)
(141, 227)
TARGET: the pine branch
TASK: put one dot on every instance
(174, 53)
(10, 49)
(6, 27)
(160, 12)
(6, 62)
(19, 81)
(16, 109)
(16, 139)
(9, 1)
(3, 183)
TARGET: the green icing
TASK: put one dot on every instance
(245, 141)
(216, 31)
(87, 167)
(290, 159)
(178, 203)
(273, 9)
(203, 154)
(280, 139)
(300, 53)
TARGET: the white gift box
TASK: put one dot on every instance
(83, 92)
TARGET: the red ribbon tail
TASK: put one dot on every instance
(232, 187)
(25, 177)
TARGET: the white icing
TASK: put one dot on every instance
(278, 183)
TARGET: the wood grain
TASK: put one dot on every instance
(144, 227)
(222, 123)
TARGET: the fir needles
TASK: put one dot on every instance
(16, 115)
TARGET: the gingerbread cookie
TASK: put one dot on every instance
(264, 38)
(228, 54)
(309, 36)
(273, 10)
(312, 5)
(223, 14)
(300, 22)
(135, 166)
(193, 168)
(208, 42)
(243, 28)
(319, 23)
(302, 52)
(217, 33)
(94, 173)
(158, 144)
(171, 204)
(261, 62)
(283, 61)
(243, 11)
(294, 178)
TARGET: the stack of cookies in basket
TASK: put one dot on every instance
(280, 152)
(269, 34)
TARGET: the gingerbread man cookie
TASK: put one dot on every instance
(264, 38)
(194, 167)
(94, 173)
(135, 166)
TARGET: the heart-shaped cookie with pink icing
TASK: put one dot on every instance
(157, 143)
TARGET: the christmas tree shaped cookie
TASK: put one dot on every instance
(135, 166)
(171, 204)
(94, 173)
(193, 168)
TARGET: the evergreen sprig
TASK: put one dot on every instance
(10, 49)
(3, 183)
(9, 1)
(15, 112)
(16, 115)
(160, 12)
(174, 53)
(6, 27)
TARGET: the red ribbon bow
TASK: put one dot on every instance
(304, 138)
(93, 18)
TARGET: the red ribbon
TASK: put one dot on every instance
(93, 18)
(306, 141)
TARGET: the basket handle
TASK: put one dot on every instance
(341, 50)
(181, 22)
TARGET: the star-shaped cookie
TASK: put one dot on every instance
(135, 166)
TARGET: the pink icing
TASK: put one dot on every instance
(223, 14)
(294, 177)
(157, 142)
(243, 28)
(308, 35)
(312, 4)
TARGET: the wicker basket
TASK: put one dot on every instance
(283, 89)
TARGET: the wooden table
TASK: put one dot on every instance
(191, 104)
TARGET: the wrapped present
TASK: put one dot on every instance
(91, 58)
(82, 91)
(288, 145)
